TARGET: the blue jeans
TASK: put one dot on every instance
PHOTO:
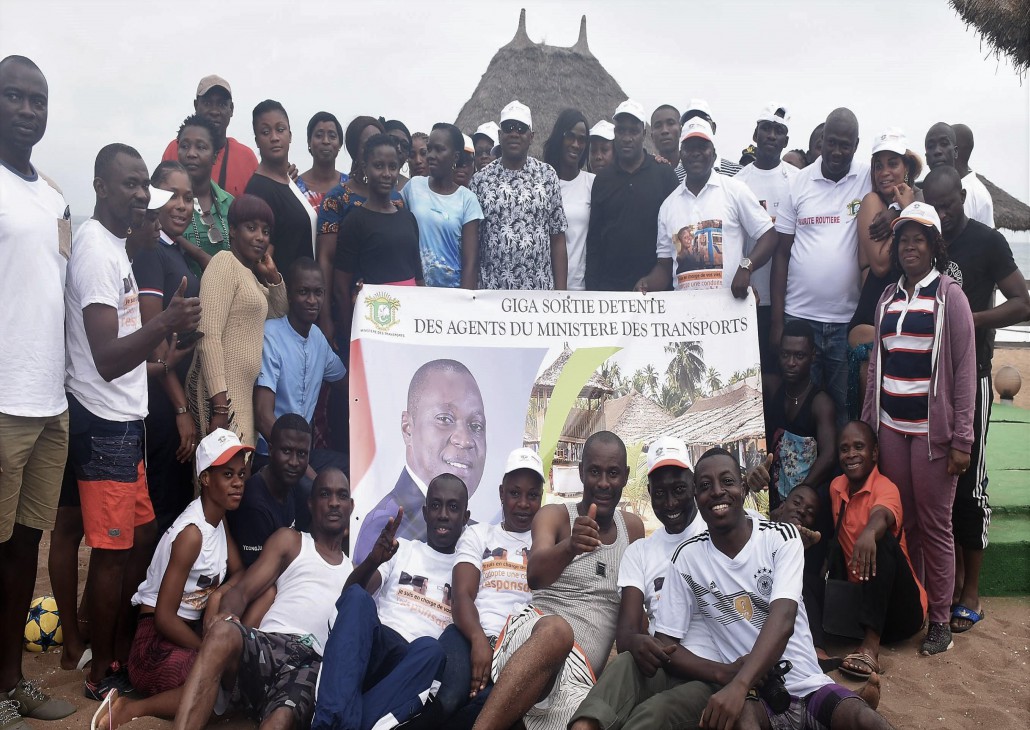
(369, 672)
(830, 367)
(454, 688)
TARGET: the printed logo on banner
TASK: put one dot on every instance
(382, 311)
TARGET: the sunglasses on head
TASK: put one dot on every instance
(512, 127)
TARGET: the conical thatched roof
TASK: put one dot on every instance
(1003, 24)
(595, 387)
(546, 78)
(1009, 212)
(633, 416)
(731, 414)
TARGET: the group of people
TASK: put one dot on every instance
(176, 397)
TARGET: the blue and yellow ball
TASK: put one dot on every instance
(43, 625)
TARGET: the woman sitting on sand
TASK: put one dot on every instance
(867, 509)
(189, 565)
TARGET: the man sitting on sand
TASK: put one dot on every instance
(742, 578)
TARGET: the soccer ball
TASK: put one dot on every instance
(43, 625)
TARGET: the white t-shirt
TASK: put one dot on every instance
(824, 279)
(575, 198)
(772, 188)
(644, 567)
(979, 204)
(704, 235)
(35, 242)
(415, 598)
(99, 272)
(733, 596)
(208, 571)
(500, 557)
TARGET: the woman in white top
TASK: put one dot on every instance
(566, 151)
(189, 567)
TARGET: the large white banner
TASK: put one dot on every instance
(448, 380)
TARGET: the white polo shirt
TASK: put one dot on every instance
(772, 188)
(99, 272)
(824, 279)
(35, 242)
(704, 234)
(979, 205)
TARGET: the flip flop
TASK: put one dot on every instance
(968, 614)
(85, 659)
(859, 658)
(103, 718)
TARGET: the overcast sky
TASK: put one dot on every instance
(128, 71)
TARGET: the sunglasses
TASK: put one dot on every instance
(514, 127)
(573, 137)
(214, 233)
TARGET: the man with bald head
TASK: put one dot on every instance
(980, 260)
(444, 431)
(815, 274)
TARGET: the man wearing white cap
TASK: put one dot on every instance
(624, 207)
(485, 141)
(636, 691)
(522, 237)
(235, 161)
(698, 108)
(704, 223)
(489, 583)
(769, 178)
(106, 380)
(819, 247)
(602, 148)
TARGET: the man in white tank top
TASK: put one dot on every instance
(273, 668)
(548, 655)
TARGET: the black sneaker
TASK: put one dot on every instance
(117, 678)
(938, 639)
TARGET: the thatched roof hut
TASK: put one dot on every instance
(546, 78)
(729, 415)
(1009, 212)
(1003, 24)
(633, 416)
(595, 387)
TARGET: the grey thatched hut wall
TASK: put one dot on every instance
(546, 78)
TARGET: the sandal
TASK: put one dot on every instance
(103, 718)
(966, 614)
(859, 658)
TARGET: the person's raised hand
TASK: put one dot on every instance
(386, 544)
(958, 462)
(182, 313)
(293, 172)
(759, 477)
(266, 269)
(586, 535)
(904, 195)
(809, 538)
(482, 658)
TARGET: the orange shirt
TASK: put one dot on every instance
(878, 491)
(242, 163)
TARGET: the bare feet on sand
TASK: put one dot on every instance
(871, 691)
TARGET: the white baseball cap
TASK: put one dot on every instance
(516, 111)
(668, 451)
(159, 198)
(490, 130)
(603, 129)
(697, 127)
(470, 146)
(922, 213)
(525, 458)
(776, 113)
(697, 105)
(633, 109)
(892, 140)
(217, 448)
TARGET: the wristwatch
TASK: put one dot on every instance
(745, 263)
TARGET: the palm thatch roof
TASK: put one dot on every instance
(546, 78)
(733, 413)
(1003, 24)
(595, 387)
(1009, 212)
(633, 416)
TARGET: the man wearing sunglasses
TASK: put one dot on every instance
(235, 161)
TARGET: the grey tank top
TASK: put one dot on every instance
(587, 594)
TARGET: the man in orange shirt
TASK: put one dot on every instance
(235, 161)
(893, 604)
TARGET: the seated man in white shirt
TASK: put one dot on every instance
(383, 663)
(742, 579)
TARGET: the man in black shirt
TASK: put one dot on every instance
(624, 207)
(980, 260)
(269, 501)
